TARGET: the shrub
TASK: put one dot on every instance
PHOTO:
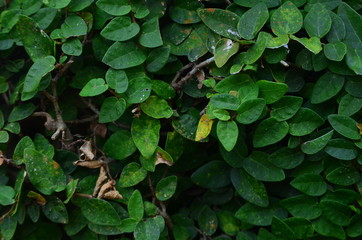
(185, 119)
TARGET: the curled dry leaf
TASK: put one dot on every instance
(1, 158)
(113, 194)
(89, 164)
(37, 197)
(106, 188)
(101, 179)
(160, 159)
(100, 130)
(359, 126)
(87, 151)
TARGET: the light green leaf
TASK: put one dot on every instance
(225, 49)
(4, 136)
(146, 134)
(100, 212)
(112, 109)
(119, 145)
(150, 34)
(304, 122)
(249, 188)
(256, 51)
(21, 112)
(116, 8)
(156, 107)
(135, 206)
(131, 175)
(117, 80)
(73, 26)
(223, 22)
(227, 133)
(354, 57)
(345, 126)
(70, 189)
(72, 47)
(250, 110)
(287, 19)
(335, 51)
(269, 131)
(7, 195)
(271, 91)
(120, 29)
(327, 87)
(313, 44)
(318, 21)
(123, 55)
(225, 101)
(252, 21)
(94, 87)
(166, 188)
(45, 174)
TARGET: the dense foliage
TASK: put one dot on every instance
(183, 119)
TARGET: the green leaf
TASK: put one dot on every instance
(7, 195)
(100, 212)
(336, 212)
(56, 3)
(315, 145)
(227, 222)
(286, 107)
(131, 175)
(166, 188)
(225, 49)
(351, 21)
(157, 59)
(70, 189)
(223, 22)
(287, 19)
(301, 227)
(335, 51)
(252, 21)
(43, 146)
(338, 30)
(249, 188)
(354, 87)
(119, 145)
(313, 44)
(271, 91)
(116, 8)
(72, 47)
(156, 107)
(208, 221)
(117, 80)
(148, 229)
(4, 137)
(225, 101)
(354, 229)
(120, 29)
(338, 175)
(135, 206)
(354, 56)
(302, 206)
(214, 174)
(112, 109)
(37, 71)
(260, 216)
(258, 166)
(184, 11)
(123, 55)
(94, 87)
(345, 126)
(341, 149)
(18, 155)
(286, 158)
(281, 230)
(36, 42)
(318, 21)
(187, 124)
(328, 229)
(77, 222)
(8, 227)
(252, 3)
(327, 87)
(227, 133)
(269, 131)
(55, 210)
(146, 134)
(349, 105)
(256, 51)
(163, 89)
(234, 83)
(150, 34)
(310, 184)
(250, 110)
(45, 174)
(304, 122)
(139, 89)
(73, 26)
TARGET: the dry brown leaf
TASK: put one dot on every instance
(100, 130)
(1, 158)
(89, 164)
(113, 194)
(37, 197)
(87, 151)
(106, 188)
(101, 179)
(359, 126)
(160, 159)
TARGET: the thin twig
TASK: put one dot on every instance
(178, 84)
(90, 105)
(84, 120)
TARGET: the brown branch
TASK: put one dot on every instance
(195, 69)
(84, 120)
(90, 105)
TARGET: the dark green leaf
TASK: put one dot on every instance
(150, 34)
(287, 19)
(250, 110)
(94, 87)
(184, 11)
(112, 109)
(302, 206)
(327, 87)
(336, 212)
(286, 158)
(55, 210)
(349, 105)
(328, 229)
(286, 107)
(225, 101)
(335, 51)
(318, 21)
(310, 184)
(156, 107)
(304, 122)
(101, 212)
(345, 126)
(117, 80)
(116, 8)
(73, 26)
(342, 149)
(7, 195)
(315, 145)
(120, 29)
(343, 176)
(224, 50)
(131, 175)
(281, 230)
(135, 206)
(269, 131)
(271, 91)
(252, 21)
(214, 174)
(119, 145)
(139, 89)
(166, 188)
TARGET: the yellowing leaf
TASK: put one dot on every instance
(203, 128)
